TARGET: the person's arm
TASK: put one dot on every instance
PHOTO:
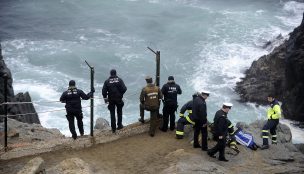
(179, 90)
(83, 95)
(160, 94)
(221, 127)
(105, 91)
(142, 96)
(123, 86)
(63, 98)
(277, 112)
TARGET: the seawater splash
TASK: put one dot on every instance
(204, 44)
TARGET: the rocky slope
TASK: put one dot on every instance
(280, 73)
(20, 97)
(131, 151)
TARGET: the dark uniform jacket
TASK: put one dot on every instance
(72, 97)
(221, 123)
(113, 88)
(199, 109)
(187, 107)
(150, 96)
(170, 91)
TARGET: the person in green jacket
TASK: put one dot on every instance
(273, 115)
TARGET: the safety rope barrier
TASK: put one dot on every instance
(56, 110)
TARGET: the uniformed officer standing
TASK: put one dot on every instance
(113, 91)
(170, 91)
(221, 124)
(199, 112)
(72, 99)
(149, 100)
(273, 115)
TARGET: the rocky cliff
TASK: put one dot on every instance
(281, 73)
(20, 97)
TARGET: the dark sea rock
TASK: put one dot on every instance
(280, 73)
(20, 97)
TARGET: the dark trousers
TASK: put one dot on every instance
(168, 111)
(272, 126)
(119, 105)
(180, 126)
(197, 129)
(70, 117)
(219, 147)
(153, 118)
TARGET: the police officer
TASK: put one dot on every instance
(72, 99)
(185, 119)
(199, 111)
(150, 97)
(221, 124)
(170, 91)
(113, 91)
(273, 115)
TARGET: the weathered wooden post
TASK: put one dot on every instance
(157, 76)
(92, 99)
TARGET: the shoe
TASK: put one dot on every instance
(141, 120)
(223, 159)
(265, 147)
(172, 129)
(151, 135)
(74, 137)
(113, 130)
(274, 143)
(204, 148)
(162, 129)
(211, 155)
(82, 134)
(120, 127)
(179, 137)
(197, 146)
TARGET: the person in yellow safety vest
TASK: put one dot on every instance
(184, 120)
(273, 115)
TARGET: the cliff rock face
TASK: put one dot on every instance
(21, 97)
(281, 73)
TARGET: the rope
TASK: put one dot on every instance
(43, 112)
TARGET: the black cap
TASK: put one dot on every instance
(148, 79)
(72, 83)
(170, 78)
(113, 72)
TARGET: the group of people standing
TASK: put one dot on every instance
(150, 98)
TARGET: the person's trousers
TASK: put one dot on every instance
(272, 126)
(153, 122)
(118, 105)
(168, 112)
(70, 117)
(219, 147)
(198, 128)
(181, 124)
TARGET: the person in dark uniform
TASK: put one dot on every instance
(72, 99)
(221, 124)
(150, 97)
(113, 91)
(170, 91)
(199, 112)
(273, 115)
(185, 119)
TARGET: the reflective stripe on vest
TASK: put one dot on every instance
(189, 120)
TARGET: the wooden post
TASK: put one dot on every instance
(157, 75)
(5, 111)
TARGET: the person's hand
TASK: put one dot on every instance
(220, 137)
(106, 100)
(93, 89)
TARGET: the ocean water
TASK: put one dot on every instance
(204, 44)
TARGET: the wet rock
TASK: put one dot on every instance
(20, 97)
(280, 73)
(102, 124)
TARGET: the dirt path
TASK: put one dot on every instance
(138, 154)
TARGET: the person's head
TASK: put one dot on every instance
(113, 72)
(170, 79)
(148, 79)
(205, 94)
(226, 107)
(72, 83)
(270, 98)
